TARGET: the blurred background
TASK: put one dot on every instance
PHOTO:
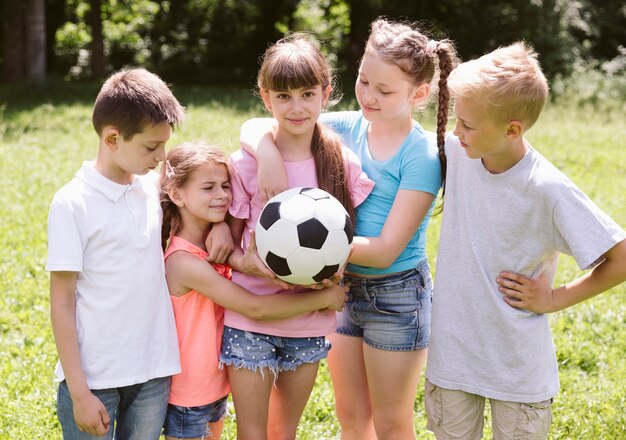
(220, 41)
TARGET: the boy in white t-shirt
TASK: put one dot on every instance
(508, 213)
(110, 309)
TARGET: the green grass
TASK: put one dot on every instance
(46, 134)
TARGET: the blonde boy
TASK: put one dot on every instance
(508, 214)
(111, 314)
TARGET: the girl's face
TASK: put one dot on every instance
(207, 195)
(296, 110)
(383, 91)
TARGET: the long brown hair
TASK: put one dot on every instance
(297, 62)
(181, 162)
(414, 53)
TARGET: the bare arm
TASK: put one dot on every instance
(219, 243)
(408, 210)
(257, 138)
(90, 414)
(185, 272)
(538, 296)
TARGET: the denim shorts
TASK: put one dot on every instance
(136, 411)
(192, 422)
(390, 313)
(256, 351)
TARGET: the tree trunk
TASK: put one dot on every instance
(13, 47)
(98, 61)
(36, 40)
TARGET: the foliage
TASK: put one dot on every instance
(219, 41)
(46, 133)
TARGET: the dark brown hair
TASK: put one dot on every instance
(297, 62)
(132, 99)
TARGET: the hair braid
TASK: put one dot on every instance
(447, 61)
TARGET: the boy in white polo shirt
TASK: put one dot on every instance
(110, 309)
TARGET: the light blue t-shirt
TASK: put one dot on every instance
(414, 167)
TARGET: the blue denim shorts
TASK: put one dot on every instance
(390, 313)
(256, 351)
(136, 411)
(192, 422)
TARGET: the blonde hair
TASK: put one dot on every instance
(420, 58)
(508, 82)
(296, 62)
(180, 163)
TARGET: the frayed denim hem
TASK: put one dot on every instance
(256, 367)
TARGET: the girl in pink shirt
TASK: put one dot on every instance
(272, 365)
(196, 194)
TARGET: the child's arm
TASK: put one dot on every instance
(407, 212)
(185, 271)
(247, 262)
(90, 414)
(219, 243)
(538, 296)
(257, 138)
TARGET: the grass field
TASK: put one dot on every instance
(46, 134)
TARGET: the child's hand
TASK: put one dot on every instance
(337, 296)
(251, 264)
(271, 178)
(533, 294)
(328, 282)
(219, 243)
(90, 415)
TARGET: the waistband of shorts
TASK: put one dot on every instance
(421, 267)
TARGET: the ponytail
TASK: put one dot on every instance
(330, 167)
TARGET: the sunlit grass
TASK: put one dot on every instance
(44, 137)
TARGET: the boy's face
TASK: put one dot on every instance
(139, 154)
(480, 136)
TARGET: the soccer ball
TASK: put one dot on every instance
(304, 235)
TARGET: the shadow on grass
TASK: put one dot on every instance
(20, 97)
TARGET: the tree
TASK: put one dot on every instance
(97, 60)
(36, 40)
(24, 40)
(13, 40)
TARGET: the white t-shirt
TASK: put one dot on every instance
(111, 235)
(519, 220)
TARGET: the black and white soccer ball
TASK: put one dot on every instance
(304, 235)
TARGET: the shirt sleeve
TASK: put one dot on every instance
(360, 185)
(420, 168)
(340, 122)
(583, 230)
(240, 206)
(66, 242)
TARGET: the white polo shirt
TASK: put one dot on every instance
(111, 235)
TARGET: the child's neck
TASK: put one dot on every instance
(497, 164)
(294, 148)
(384, 138)
(109, 169)
(195, 234)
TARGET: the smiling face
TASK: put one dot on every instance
(296, 110)
(206, 196)
(383, 90)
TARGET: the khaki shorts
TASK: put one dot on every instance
(456, 414)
